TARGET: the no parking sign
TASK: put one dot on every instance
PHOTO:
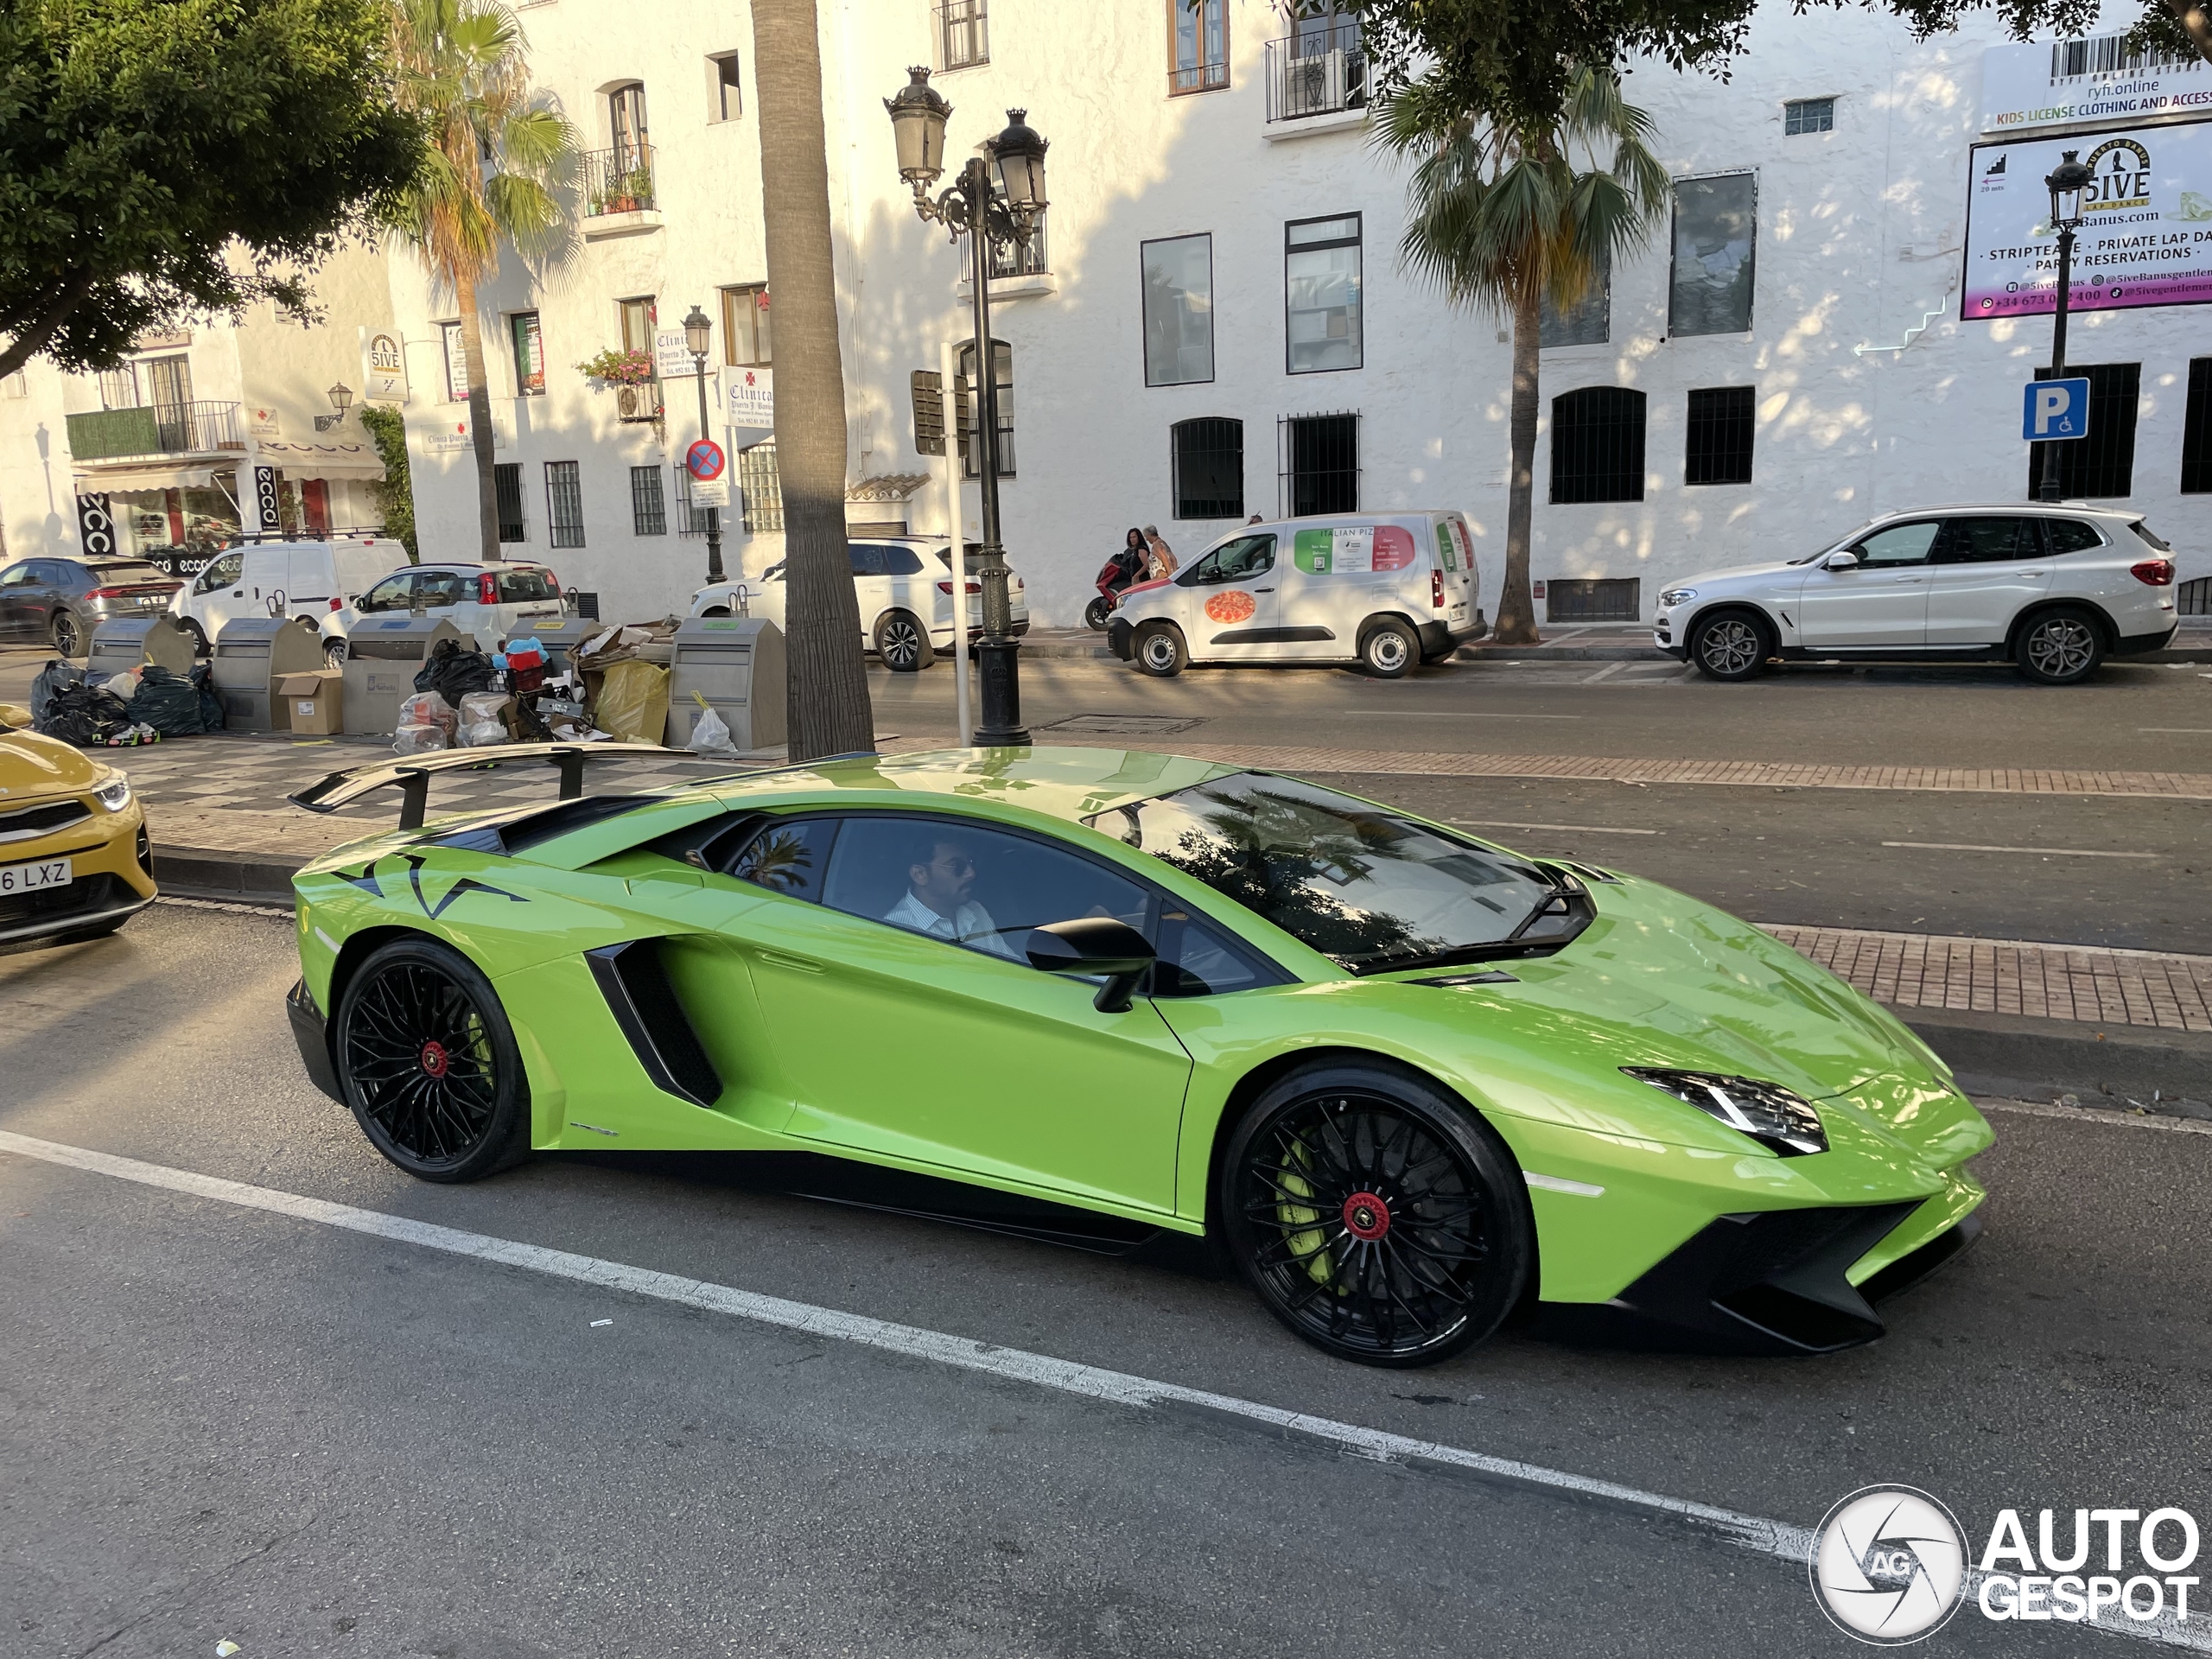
(709, 470)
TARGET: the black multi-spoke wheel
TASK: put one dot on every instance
(1376, 1217)
(428, 1063)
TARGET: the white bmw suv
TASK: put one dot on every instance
(2055, 589)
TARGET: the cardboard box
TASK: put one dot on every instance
(314, 703)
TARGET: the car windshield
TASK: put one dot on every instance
(1370, 890)
(135, 571)
(2152, 536)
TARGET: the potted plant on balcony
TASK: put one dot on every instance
(631, 374)
(638, 189)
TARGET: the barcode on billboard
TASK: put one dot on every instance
(2107, 55)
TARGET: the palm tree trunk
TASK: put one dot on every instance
(479, 415)
(827, 695)
(1516, 610)
(2196, 20)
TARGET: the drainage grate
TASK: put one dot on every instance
(1125, 725)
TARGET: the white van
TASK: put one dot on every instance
(1384, 591)
(316, 580)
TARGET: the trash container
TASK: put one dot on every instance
(121, 644)
(253, 653)
(737, 663)
(383, 655)
(560, 639)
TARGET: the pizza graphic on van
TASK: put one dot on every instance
(1231, 606)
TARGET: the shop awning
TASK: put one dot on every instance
(95, 478)
(322, 460)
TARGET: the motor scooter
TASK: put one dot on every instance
(1115, 579)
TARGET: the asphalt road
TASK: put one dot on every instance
(218, 1423)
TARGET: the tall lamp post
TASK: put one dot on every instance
(2066, 183)
(996, 201)
(698, 333)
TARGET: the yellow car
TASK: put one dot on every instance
(74, 859)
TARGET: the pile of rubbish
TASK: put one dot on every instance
(614, 689)
(142, 706)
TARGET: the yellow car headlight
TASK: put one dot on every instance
(115, 796)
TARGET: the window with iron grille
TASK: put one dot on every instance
(1716, 233)
(763, 487)
(1002, 368)
(2196, 431)
(2102, 465)
(1719, 450)
(963, 33)
(564, 505)
(648, 510)
(1602, 599)
(506, 490)
(690, 516)
(1803, 115)
(2194, 598)
(1318, 463)
(1598, 445)
(1208, 454)
(1589, 321)
(1009, 259)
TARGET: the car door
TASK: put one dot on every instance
(946, 1048)
(1236, 599)
(908, 587)
(212, 603)
(395, 593)
(310, 582)
(442, 592)
(15, 599)
(52, 582)
(1986, 569)
(871, 583)
(1882, 601)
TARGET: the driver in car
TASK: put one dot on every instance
(937, 903)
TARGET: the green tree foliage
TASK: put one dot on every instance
(387, 429)
(163, 159)
(2177, 26)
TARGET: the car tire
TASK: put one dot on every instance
(1097, 614)
(192, 632)
(428, 1063)
(1375, 1215)
(1389, 650)
(333, 654)
(67, 634)
(903, 643)
(715, 610)
(1159, 651)
(1731, 647)
(2061, 646)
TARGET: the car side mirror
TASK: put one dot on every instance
(1842, 559)
(1094, 944)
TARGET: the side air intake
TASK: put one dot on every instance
(635, 984)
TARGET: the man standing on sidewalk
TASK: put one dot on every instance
(1163, 557)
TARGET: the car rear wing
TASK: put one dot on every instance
(413, 774)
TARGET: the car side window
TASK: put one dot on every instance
(970, 885)
(1895, 545)
(1987, 541)
(901, 562)
(18, 575)
(441, 587)
(390, 594)
(61, 573)
(785, 855)
(221, 573)
(867, 556)
(1238, 560)
(2070, 535)
(1198, 959)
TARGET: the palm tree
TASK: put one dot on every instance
(492, 153)
(827, 689)
(1500, 215)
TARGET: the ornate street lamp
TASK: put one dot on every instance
(996, 202)
(698, 335)
(2067, 182)
(342, 398)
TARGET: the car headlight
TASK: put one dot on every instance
(115, 796)
(1675, 596)
(1783, 1123)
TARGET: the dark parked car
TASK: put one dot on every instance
(59, 602)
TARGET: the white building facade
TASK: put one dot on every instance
(1217, 322)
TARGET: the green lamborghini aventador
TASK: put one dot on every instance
(1410, 1080)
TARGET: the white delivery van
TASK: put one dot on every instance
(316, 580)
(1384, 591)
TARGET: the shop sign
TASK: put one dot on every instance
(95, 527)
(2068, 83)
(384, 365)
(752, 399)
(261, 422)
(268, 512)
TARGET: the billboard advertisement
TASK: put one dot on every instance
(2104, 79)
(2146, 234)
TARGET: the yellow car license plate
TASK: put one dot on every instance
(32, 878)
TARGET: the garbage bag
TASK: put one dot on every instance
(86, 716)
(167, 701)
(483, 720)
(453, 672)
(210, 701)
(418, 739)
(428, 708)
(632, 704)
(710, 732)
(51, 678)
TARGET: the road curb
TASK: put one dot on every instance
(211, 872)
(2010, 1055)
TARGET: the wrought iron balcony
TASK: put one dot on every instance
(1011, 259)
(618, 180)
(154, 429)
(1317, 70)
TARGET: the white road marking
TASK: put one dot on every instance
(1578, 829)
(1450, 714)
(2179, 731)
(2091, 1114)
(1777, 1539)
(2045, 852)
(1604, 673)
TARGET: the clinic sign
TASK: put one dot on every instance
(2100, 80)
(2146, 233)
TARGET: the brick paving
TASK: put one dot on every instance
(2080, 983)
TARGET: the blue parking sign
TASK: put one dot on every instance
(2054, 409)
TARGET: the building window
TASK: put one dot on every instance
(1320, 67)
(626, 126)
(564, 505)
(506, 490)
(1321, 293)
(1808, 115)
(637, 319)
(529, 354)
(745, 327)
(691, 517)
(1589, 321)
(763, 490)
(1198, 34)
(963, 33)
(1319, 463)
(1598, 445)
(1209, 460)
(119, 387)
(2102, 466)
(1603, 599)
(1010, 258)
(1002, 366)
(1179, 311)
(1719, 450)
(456, 362)
(725, 97)
(648, 509)
(2196, 431)
(1716, 223)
